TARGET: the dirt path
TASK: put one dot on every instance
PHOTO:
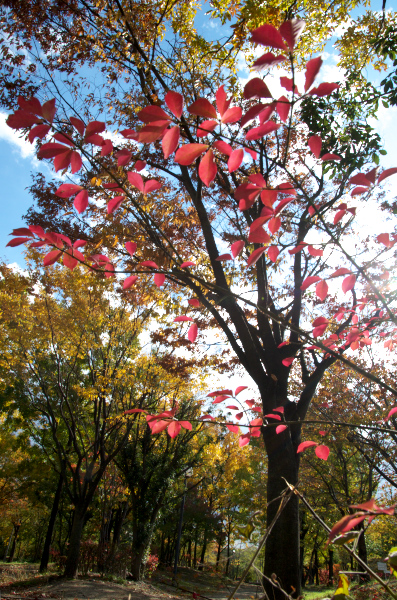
(87, 589)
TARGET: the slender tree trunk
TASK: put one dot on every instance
(119, 519)
(195, 548)
(142, 537)
(330, 567)
(189, 553)
(72, 560)
(282, 553)
(17, 527)
(228, 550)
(51, 524)
(203, 551)
(218, 554)
(362, 552)
(316, 564)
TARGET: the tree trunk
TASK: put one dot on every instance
(141, 539)
(316, 564)
(50, 529)
(282, 553)
(203, 551)
(189, 553)
(362, 552)
(218, 554)
(72, 560)
(195, 548)
(330, 567)
(17, 527)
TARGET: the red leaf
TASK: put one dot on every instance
(232, 115)
(273, 253)
(48, 110)
(63, 138)
(22, 231)
(348, 283)
(131, 247)
(187, 263)
(151, 114)
(235, 160)
(192, 333)
(322, 452)
(94, 127)
(258, 236)
(360, 179)
(281, 205)
(386, 173)
(194, 302)
(384, 238)
(272, 416)
(391, 413)
(174, 101)
(203, 108)
(268, 60)
(151, 133)
(340, 271)
(255, 256)
(314, 144)
(75, 162)
(288, 84)
(39, 131)
(283, 107)
(338, 216)
(207, 168)
(287, 362)
(291, 31)
(343, 525)
(159, 279)
(220, 399)
(66, 190)
(274, 225)
(62, 161)
(69, 261)
(233, 428)
(258, 132)
(315, 251)
(281, 428)
(222, 103)
(114, 204)
(129, 282)
(324, 89)
(188, 153)
(244, 439)
(123, 157)
(222, 257)
(149, 263)
(140, 164)
(358, 190)
(21, 119)
(237, 247)
(186, 425)
(81, 201)
(322, 290)
(182, 319)
(256, 88)
(134, 410)
(309, 281)
(18, 241)
(240, 389)
(51, 257)
(151, 186)
(265, 114)
(252, 113)
(95, 139)
(206, 127)
(330, 156)
(267, 35)
(269, 197)
(30, 105)
(77, 124)
(136, 180)
(50, 149)
(159, 426)
(173, 429)
(305, 445)
(313, 66)
(223, 147)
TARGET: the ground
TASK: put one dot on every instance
(22, 582)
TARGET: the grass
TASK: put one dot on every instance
(317, 593)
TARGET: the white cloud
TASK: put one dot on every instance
(26, 150)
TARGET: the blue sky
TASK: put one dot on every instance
(18, 162)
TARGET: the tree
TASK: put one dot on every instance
(73, 360)
(219, 196)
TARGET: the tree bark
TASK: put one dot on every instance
(17, 527)
(330, 566)
(50, 529)
(72, 561)
(203, 551)
(282, 553)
